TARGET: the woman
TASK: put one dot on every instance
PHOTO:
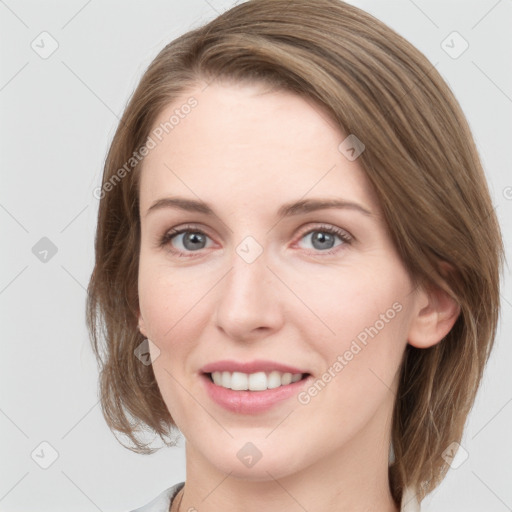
(297, 264)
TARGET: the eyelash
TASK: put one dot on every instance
(167, 238)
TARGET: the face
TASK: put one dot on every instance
(236, 282)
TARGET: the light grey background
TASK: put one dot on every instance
(58, 115)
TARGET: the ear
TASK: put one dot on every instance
(436, 315)
(142, 325)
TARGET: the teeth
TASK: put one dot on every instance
(259, 381)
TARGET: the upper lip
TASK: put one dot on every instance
(249, 367)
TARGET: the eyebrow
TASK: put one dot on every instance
(287, 210)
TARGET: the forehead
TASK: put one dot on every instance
(243, 139)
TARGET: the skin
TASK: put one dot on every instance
(247, 151)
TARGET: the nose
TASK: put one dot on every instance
(249, 304)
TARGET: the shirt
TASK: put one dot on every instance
(163, 501)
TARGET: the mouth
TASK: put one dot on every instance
(252, 387)
(258, 381)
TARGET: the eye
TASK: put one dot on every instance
(190, 239)
(323, 238)
(186, 239)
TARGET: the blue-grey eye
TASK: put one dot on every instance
(193, 241)
(322, 239)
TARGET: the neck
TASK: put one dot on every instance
(352, 478)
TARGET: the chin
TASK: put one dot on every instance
(250, 463)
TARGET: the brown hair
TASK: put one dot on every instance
(420, 158)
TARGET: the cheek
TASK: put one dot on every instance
(168, 299)
(350, 299)
(363, 318)
(360, 361)
(172, 310)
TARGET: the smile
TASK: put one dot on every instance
(259, 381)
(255, 394)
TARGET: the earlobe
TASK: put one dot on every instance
(436, 315)
(142, 327)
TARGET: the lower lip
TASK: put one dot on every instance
(251, 402)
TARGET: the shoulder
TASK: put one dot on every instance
(163, 501)
(409, 501)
